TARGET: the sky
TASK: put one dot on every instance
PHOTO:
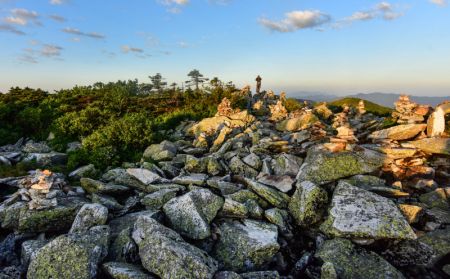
(337, 47)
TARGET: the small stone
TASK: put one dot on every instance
(156, 200)
(412, 213)
(118, 270)
(274, 197)
(281, 182)
(400, 132)
(327, 271)
(194, 178)
(95, 186)
(145, 176)
(165, 151)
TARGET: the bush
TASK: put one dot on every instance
(292, 104)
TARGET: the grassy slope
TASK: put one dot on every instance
(370, 107)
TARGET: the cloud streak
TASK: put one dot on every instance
(77, 32)
(441, 3)
(296, 20)
(10, 29)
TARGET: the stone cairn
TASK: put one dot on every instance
(36, 189)
(278, 111)
(407, 112)
(225, 109)
(341, 119)
(361, 107)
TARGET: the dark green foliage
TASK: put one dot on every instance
(114, 121)
(373, 108)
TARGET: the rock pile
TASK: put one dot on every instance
(242, 195)
(407, 112)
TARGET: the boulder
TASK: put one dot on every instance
(191, 214)
(57, 218)
(237, 166)
(71, 256)
(409, 253)
(286, 164)
(246, 246)
(400, 132)
(164, 253)
(281, 182)
(439, 241)
(94, 186)
(156, 200)
(212, 125)
(165, 151)
(433, 145)
(322, 167)
(188, 179)
(308, 203)
(145, 176)
(46, 159)
(273, 196)
(88, 171)
(88, 216)
(359, 214)
(29, 250)
(36, 147)
(352, 262)
(297, 123)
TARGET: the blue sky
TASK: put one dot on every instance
(338, 47)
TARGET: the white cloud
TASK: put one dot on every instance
(441, 3)
(127, 49)
(57, 2)
(77, 32)
(383, 10)
(50, 50)
(296, 20)
(22, 17)
(58, 18)
(174, 6)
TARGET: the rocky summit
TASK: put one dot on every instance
(312, 192)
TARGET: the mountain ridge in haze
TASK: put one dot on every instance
(384, 99)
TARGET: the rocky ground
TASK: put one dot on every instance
(266, 194)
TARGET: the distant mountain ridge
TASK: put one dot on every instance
(384, 99)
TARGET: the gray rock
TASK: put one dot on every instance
(145, 176)
(439, 241)
(29, 250)
(108, 201)
(253, 161)
(123, 248)
(166, 254)
(233, 209)
(71, 256)
(156, 200)
(94, 186)
(165, 151)
(261, 275)
(286, 164)
(322, 167)
(308, 203)
(84, 171)
(118, 270)
(281, 182)
(246, 246)
(127, 221)
(194, 178)
(192, 213)
(358, 214)
(227, 275)
(409, 253)
(237, 166)
(274, 197)
(88, 216)
(46, 159)
(57, 218)
(352, 262)
(36, 147)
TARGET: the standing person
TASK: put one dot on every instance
(258, 84)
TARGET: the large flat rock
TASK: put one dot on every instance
(359, 214)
